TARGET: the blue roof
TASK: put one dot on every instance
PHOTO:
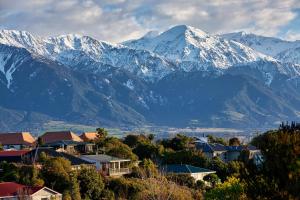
(185, 169)
(206, 147)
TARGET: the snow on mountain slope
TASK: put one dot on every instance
(9, 63)
(22, 39)
(152, 57)
(187, 44)
(85, 52)
(266, 45)
(290, 55)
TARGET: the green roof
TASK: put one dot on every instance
(184, 169)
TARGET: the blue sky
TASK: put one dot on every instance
(119, 20)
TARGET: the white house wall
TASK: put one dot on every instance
(199, 176)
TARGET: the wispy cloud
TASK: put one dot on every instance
(118, 20)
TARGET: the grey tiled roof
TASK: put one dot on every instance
(103, 158)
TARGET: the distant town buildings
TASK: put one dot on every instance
(80, 151)
(22, 148)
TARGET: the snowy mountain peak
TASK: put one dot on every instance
(196, 49)
(267, 45)
(183, 31)
(16, 38)
(181, 48)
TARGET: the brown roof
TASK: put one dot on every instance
(88, 136)
(21, 138)
(60, 135)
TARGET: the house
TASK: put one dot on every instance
(50, 137)
(226, 153)
(13, 155)
(234, 152)
(109, 165)
(196, 172)
(71, 147)
(18, 140)
(34, 155)
(15, 191)
(213, 150)
(88, 136)
(66, 141)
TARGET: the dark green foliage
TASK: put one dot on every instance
(200, 185)
(151, 137)
(133, 140)
(146, 169)
(279, 177)
(24, 174)
(56, 173)
(182, 179)
(143, 147)
(108, 195)
(10, 172)
(115, 147)
(191, 157)
(220, 167)
(212, 178)
(29, 175)
(235, 168)
(147, 150)
(101, 133)
(125, 188)
(234, 142)
(224, 170)
(212, 139)
(244, 156)
(101, 136)
(74, 190)
(179, 142)
(91, 183)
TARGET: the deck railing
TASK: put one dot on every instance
(120, 171)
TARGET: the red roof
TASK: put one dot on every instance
(12, 189)
(13, 153)
(20, 138)
(49, 137)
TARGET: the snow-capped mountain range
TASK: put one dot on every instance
(149, 68)
(274, 47)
